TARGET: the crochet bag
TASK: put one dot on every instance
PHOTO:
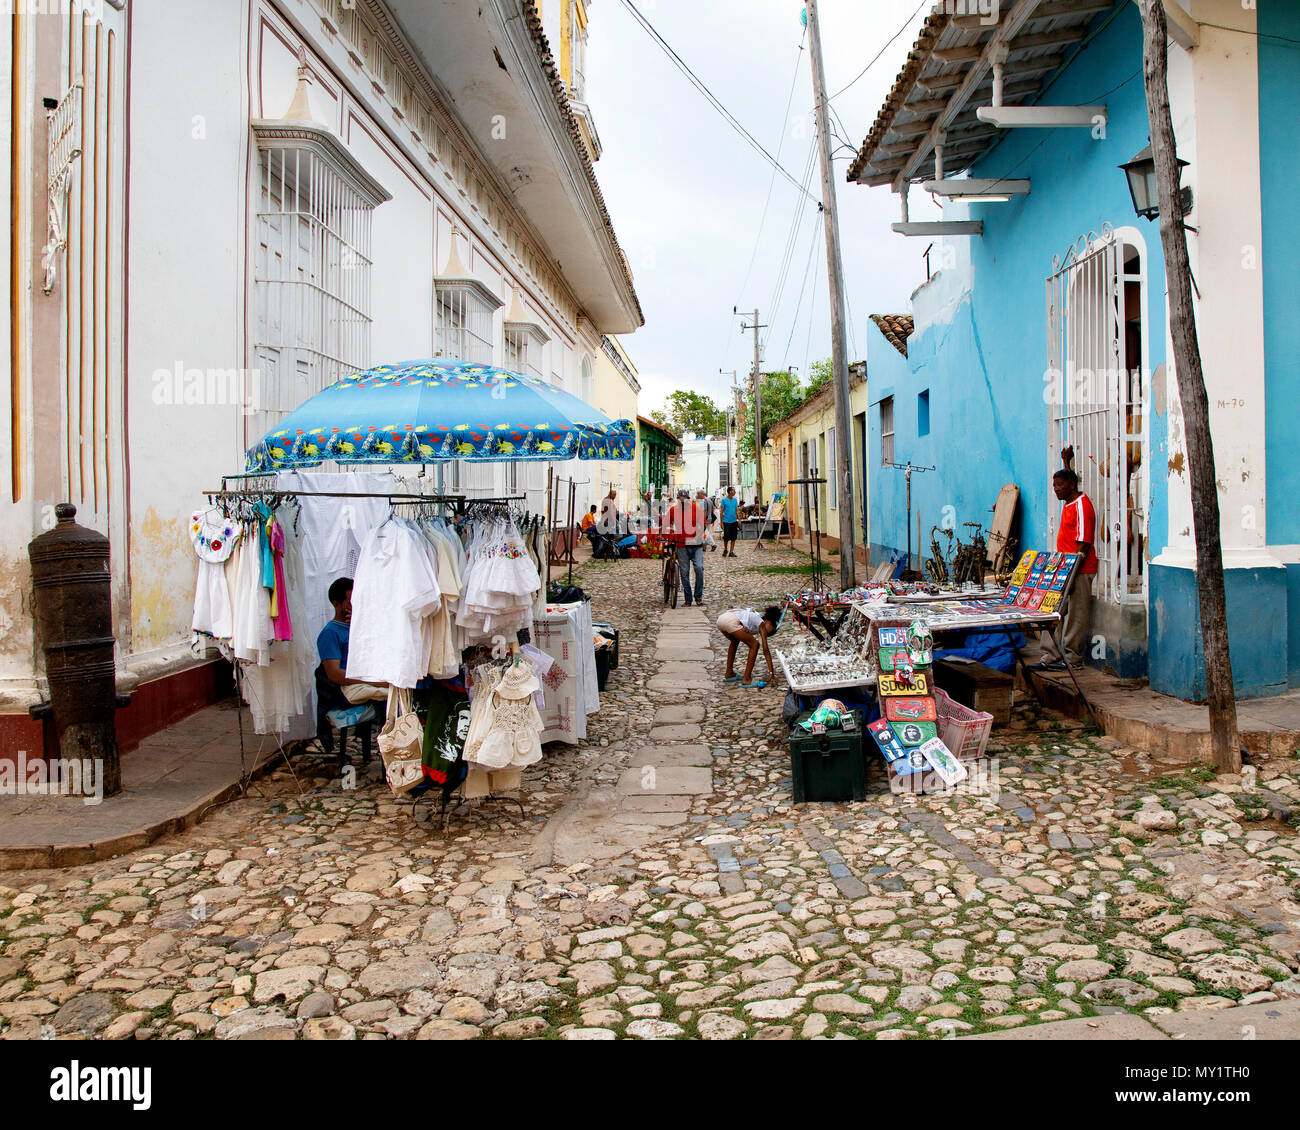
(400, 743)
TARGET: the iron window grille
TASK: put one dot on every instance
(312, 268)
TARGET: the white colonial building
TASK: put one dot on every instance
(216, 209)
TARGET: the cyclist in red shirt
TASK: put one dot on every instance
(1076, 534)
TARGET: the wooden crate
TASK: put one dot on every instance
(977, 686)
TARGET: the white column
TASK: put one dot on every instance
(1214, 94)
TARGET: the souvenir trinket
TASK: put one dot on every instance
(910, 710)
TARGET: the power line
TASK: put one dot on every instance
(792, 240)
(1247, 31)
(807, 345)
(780, 298)
(803, 289)
(771, 182)
(871, 64)
(727, 116)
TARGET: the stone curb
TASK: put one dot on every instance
(1164, 741)
(34, 857)
(1275, 1020)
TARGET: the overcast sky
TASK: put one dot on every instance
(687, 193)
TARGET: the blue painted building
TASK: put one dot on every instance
(1045, 326)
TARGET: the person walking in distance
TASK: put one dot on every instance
(730, 522)
(1076, 534)
(702, 497)
(685, 519)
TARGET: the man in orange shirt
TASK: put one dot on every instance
(686, 518)
(1076, 534)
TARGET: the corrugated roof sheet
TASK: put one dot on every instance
(947, 51)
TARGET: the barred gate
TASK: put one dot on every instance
(1097, 399)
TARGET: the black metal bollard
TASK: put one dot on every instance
(72, 586)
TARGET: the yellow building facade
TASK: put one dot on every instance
(615, 390)
(803, 445)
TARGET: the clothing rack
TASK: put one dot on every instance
(274, 496)
(460, 502)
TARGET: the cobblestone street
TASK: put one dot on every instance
(663, 884)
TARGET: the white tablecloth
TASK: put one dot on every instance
(572, 693)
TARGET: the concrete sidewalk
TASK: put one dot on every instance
(167, 784)
(1168, 728)
(1275, 1020)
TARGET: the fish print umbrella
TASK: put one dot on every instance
(440, 408)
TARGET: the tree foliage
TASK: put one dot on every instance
(783, 393)
(686, 411)
(822, 372)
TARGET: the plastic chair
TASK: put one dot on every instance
(341, 723)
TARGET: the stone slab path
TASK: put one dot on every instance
(675, 770)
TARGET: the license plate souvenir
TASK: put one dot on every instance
(915, 733)
(950, 770)
(911, 710)
(886, 740)
(893, 658)
(889, 657)
(1022, 567)
(1050, 601)
(893, 685)
(892, 637)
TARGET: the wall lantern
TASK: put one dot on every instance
(1141, 173)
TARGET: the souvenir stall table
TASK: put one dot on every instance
(447, 591)
(921, 593)
(1040, 584)
(823, 612)
(887, 646)
(813, 664)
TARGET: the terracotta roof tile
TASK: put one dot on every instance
(897, 328)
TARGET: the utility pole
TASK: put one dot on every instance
(1224, 738)
(758, 409)
(731, 418)
(835, 270)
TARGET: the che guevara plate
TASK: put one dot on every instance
(913, 734)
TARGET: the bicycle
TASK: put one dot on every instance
(672, 577)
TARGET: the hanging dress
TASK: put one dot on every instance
(214, 537)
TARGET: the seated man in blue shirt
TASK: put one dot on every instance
(730, 522)
(333, 688)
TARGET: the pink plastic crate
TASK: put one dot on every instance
(964, 731)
